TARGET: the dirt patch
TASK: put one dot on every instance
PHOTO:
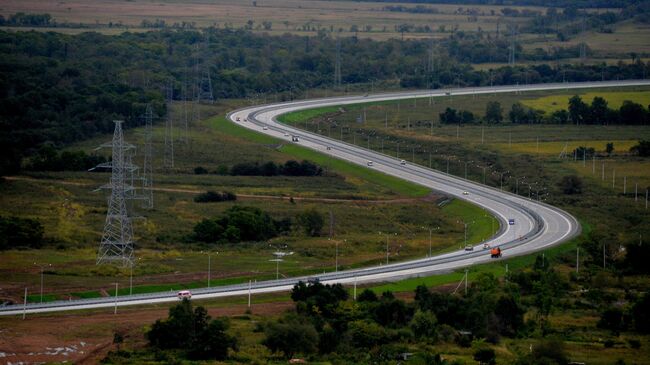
(86, 338)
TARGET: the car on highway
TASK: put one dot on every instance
(369, 163)
(511, 221)
(469, 248)
(238, 119)
(465, 193)
(184, 294)
(329, 148)
(295, 139)
(286, 134)
(265, 128)
(486, 246)
(402, 162)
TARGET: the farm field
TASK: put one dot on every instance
(293, 16)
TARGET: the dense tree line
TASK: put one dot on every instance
(20, 233)
(49, 158)
(377, 327)
(57, 88)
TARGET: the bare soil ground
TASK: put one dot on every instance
(85, 338)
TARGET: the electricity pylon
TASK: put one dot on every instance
(147, 167)
(116, 245)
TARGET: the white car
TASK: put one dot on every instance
(265, 128)
(286, 134)
(184, 294)
(402, 162)
(370, 163)
(238, 119)
(465, 193)
(469, 248)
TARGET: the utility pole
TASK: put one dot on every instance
(249, 292)
(25, 304)
(115, 311)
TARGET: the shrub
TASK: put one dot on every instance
(20, 232)
(200, 170)
(214, 196)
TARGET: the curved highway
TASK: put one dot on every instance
(537, 225)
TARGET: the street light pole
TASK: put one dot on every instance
(42, 267)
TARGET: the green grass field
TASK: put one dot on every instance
(614, 99)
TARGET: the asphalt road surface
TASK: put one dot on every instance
(537, 225)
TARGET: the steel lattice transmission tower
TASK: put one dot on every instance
(513, 45)
(431, 65)
(168, 158)
(147, 166)
(205, 84)
(583, 45)
(117, 241)
(337, 66)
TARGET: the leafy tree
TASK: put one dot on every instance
(578, 110)
(212, 341)
(642, 149)
(517, 113)
(493, 112)
(367, 295)
(485, 356)
(194, 331)
(424, 325)
(312, 222)
(598, 111)
(290, 335)
(510, 315)
(571, 184)
(632, 113)
(207, 231)
(366, 334)
(450, 116)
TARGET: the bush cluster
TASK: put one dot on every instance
(215, 196)
(20, 232)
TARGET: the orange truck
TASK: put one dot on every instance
(495, 252)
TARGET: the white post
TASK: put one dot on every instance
(131, 280)
(336, 264)
(249, 293)
(115, 311)
(354, 293)
(25, 304)
(41, 284)
(209, 268)
(387, 249)
(593, 165)
(429, 242)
